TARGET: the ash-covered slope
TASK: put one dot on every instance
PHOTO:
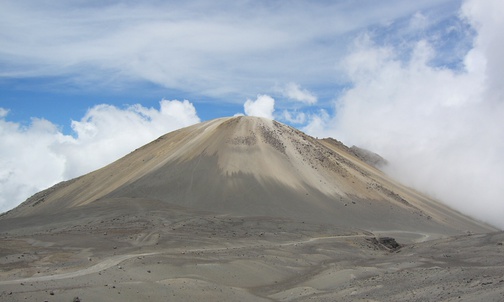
(252, 166)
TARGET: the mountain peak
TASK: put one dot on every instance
(254, 166)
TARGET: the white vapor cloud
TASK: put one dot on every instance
(263, 106)
(441, 130)
(39, 155)
(294, 92)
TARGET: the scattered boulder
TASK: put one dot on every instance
(389, 243)
(386, 243)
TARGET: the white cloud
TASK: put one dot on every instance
(293, 91)
(294, 117)
(116, 131)
(195, 46)
(36, 156)
(418, 21)
(263, 106)
(3, 112)
(485, 17)
(319, 124)
(27, 163)
(441, 130)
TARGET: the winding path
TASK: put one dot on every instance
(107, 263)
(115, 260)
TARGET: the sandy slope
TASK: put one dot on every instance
(243, 209)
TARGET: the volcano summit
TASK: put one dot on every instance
(240, 208)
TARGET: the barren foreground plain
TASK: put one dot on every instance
(244, 209)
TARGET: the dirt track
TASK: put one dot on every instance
(275, 260)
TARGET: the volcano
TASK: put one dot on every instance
(240, 208)
(250, 166)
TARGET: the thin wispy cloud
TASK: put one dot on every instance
(294, 92)
(223, 49)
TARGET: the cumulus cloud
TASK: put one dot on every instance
(39, 155)
(442, 130)
(27, 162)
(295, 92)
(263, 106)
(484, 16)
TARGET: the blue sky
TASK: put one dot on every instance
(417, 81)
(61, 107)
(70, 57)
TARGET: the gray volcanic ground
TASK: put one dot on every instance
(244, 209)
